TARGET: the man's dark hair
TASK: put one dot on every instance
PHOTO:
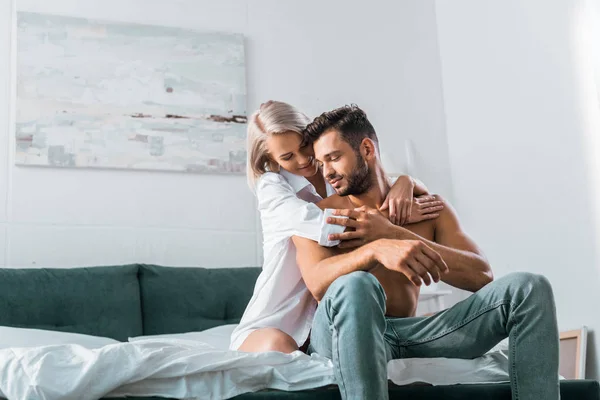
(350, 121)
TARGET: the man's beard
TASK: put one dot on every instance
(359, 181)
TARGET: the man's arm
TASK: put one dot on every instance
(468, 267)
(320, 266)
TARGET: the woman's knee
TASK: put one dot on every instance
(269, 339)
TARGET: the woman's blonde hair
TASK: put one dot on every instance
(273, 117)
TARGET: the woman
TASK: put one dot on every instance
(287, 181)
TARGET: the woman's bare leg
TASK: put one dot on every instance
(268, 339)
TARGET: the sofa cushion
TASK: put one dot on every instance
(186, 299)
(99, 301)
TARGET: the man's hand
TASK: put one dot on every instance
(363, 224)
(424, 208)
(413, 258)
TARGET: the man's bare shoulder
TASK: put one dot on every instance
(430, 228)
(448, 212)
(333, 201)
(448, 219)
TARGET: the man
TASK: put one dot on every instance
(368, 296)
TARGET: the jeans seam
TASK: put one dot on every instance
(464, 322)
(513, 346)
(341, 384)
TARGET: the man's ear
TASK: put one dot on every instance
(368, 149)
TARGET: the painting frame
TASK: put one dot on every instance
(187, 121)
(568, 360)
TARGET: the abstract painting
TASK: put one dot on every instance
(94, 94)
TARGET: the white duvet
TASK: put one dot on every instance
(182, 368)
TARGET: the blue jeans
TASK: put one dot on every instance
(350, 328)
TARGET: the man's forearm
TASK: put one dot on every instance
(468, 271)
(329, 269)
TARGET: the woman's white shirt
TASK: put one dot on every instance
(281, 299)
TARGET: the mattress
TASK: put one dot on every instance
(185, 366)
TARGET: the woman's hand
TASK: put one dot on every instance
(406, 209)
(424, 208)
(399, 200)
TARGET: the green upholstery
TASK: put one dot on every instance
(569, 390)
(193, 299)
(101, 301)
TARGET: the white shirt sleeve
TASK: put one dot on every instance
(284, 214)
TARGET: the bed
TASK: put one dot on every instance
(121, 302)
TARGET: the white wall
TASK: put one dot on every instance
(522, 114)
(380, 55)
(76, 217)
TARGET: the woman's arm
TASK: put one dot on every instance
(419, 188)
(401, 198)
(284, 215)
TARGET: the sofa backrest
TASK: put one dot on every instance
(184, 299)
(101, 301)
(124, 301)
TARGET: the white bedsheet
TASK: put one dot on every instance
(191, 369)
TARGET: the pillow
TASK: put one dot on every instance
(23, 337)
(217, 337)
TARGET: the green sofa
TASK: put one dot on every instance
(133, 300)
